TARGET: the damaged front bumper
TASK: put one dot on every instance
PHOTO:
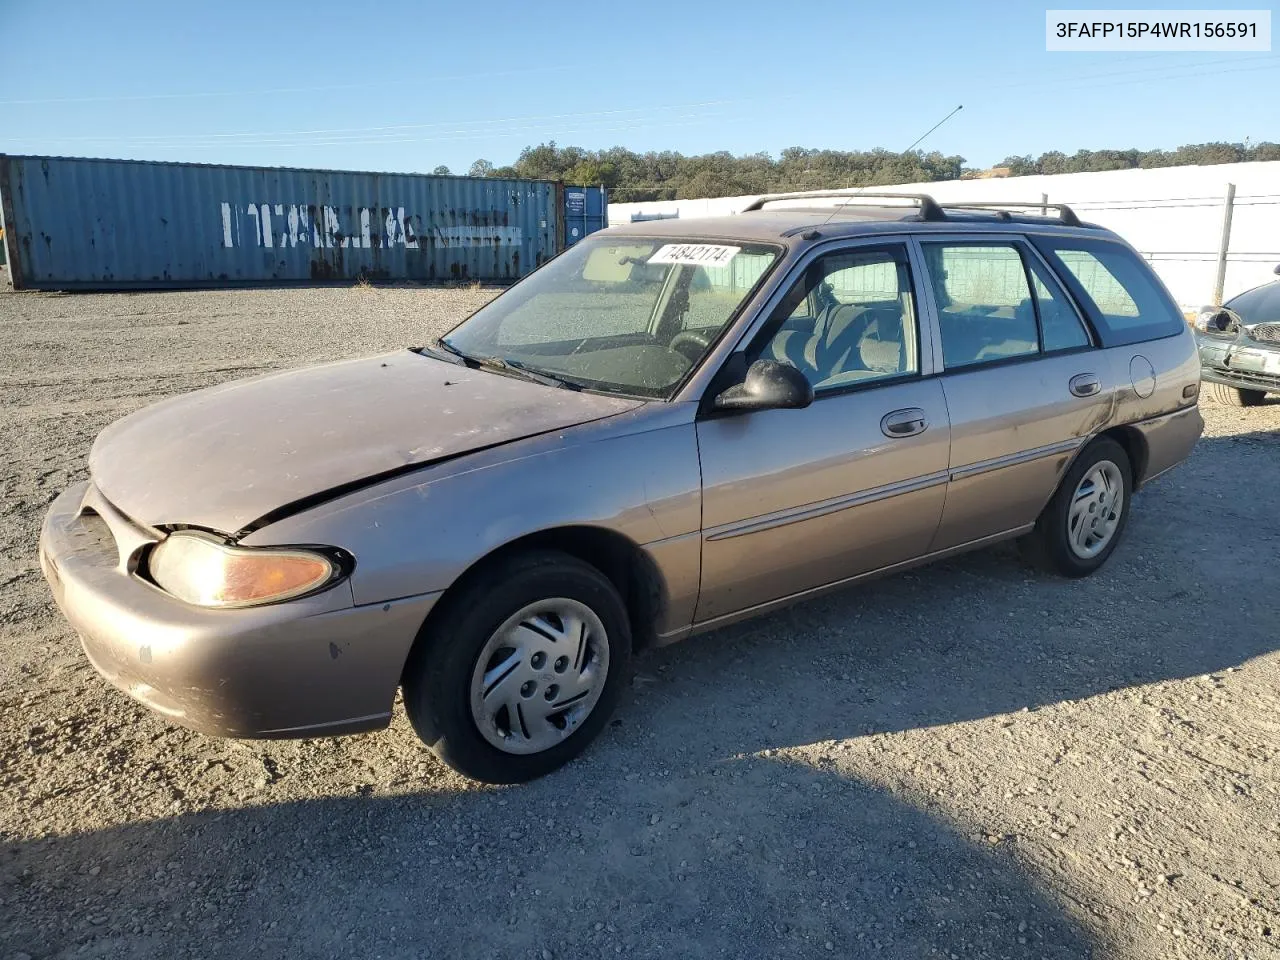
(314, 666)
(1240, 363)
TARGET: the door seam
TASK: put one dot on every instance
(946, 489)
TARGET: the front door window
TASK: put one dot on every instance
(854, 320)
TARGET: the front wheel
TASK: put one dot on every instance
(1082, 523)
(1233, 396)
(521, 669)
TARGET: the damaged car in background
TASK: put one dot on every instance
(669, 427)
(1240, 346)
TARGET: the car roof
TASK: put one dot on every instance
(769, 223)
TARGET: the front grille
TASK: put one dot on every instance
(1265, 332)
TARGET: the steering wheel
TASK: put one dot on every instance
(689, 343)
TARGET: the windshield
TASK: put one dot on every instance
(1259, 305)
(629, 316)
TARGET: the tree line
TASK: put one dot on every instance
(1089, 161)
(668, 175)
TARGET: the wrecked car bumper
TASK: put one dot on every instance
(1247, 374)
(314, 666)
(1242, 364)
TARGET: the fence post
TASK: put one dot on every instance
(1044, 199)
(1225, 244)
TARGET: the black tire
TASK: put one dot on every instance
(437, 678)
(1233, 396)
(1048, 546)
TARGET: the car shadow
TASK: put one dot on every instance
(743, 858)
(683, 833)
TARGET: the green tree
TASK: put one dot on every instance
(1019, 166)
(1055, 161)
(591, 172)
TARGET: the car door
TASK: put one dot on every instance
(1024, 383)
(796, 499)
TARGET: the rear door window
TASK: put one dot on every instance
(1122, 297)
(1060, 325)
(985, 310)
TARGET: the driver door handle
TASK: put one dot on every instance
(1085, 385)
(904, 423)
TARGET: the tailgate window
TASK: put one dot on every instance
(1120, 294)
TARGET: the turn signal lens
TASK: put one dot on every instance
(203, 571)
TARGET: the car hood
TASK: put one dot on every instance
(225, 457)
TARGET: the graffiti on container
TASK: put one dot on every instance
(292, 225)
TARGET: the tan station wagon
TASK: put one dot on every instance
(668, 427)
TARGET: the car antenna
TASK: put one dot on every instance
(933, 128)
(914, 144)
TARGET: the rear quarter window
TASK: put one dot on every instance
(1121, 296)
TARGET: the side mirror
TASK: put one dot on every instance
(769, 385)
(1276, 271)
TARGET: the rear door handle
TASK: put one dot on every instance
(1085, 385)
(904, 423)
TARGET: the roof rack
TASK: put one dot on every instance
(929, 209)
(1065, 213)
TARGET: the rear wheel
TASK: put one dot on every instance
(521, 669)
(1233, 396)
(1082, 524)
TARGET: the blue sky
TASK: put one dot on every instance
(408, 86)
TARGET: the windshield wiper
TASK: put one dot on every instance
(502, 363)
(446, 351)
(537, 376)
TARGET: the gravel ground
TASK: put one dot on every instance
(969, 760)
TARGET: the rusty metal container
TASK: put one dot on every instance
(116, 224)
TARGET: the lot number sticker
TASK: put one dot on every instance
(698, 254)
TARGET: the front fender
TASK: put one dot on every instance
(418, 534)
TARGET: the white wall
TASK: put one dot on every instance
(1172, 215)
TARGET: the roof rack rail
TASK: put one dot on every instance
(1065, 213)
(929, 209)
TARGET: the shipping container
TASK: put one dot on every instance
(74, 223)
(584, 212)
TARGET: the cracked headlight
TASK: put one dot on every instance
(204, 571)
